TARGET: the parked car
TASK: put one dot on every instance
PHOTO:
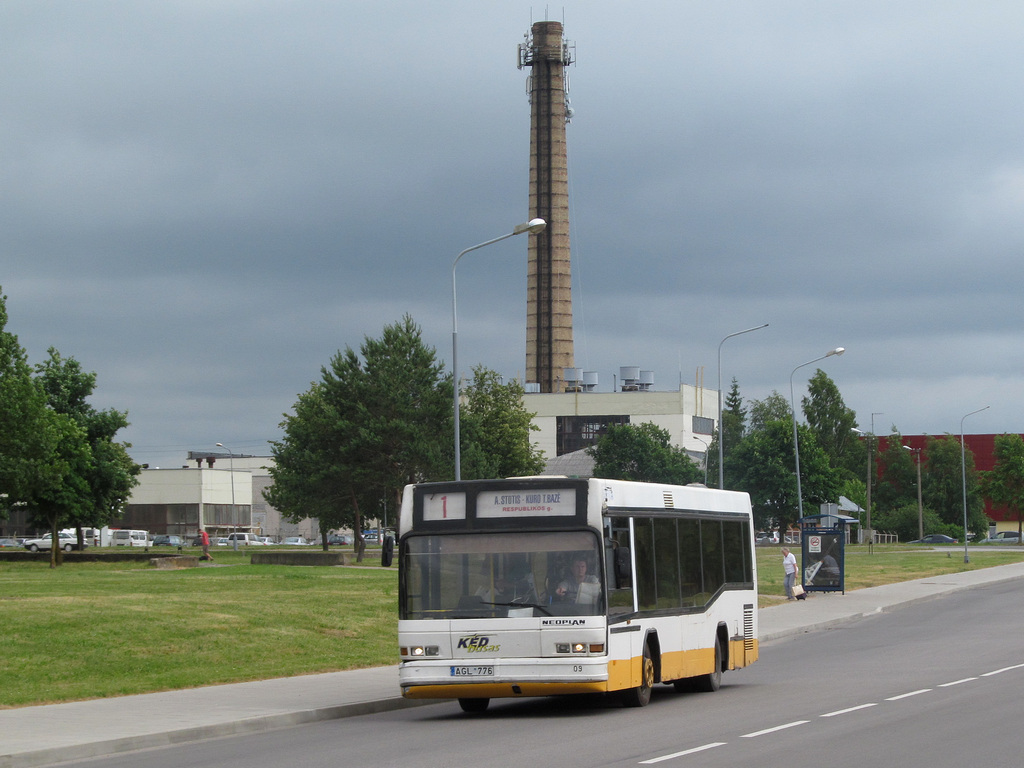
(222, 541)
(165, 540)
(267, 540)
(296, 541)
(934, 538)
(66, 541)
(1006, 537)
(339, 540)
(10, 543)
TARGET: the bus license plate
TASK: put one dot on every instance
(472, 671)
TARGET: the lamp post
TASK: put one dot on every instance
(707, 447)
(920, 504)
(231, 464)
(796, 443)
(963, 471)
(721, 451)
(533, 226)
(870, 437)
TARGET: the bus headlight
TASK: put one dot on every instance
(418, 651)
(570, 647)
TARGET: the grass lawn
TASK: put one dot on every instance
(89, 630)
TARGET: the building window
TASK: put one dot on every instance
(702, 425)
(577, 432)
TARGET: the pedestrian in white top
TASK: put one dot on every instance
(789, 568)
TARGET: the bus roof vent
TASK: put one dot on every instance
(669, 501)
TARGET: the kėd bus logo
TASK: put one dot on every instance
(477, 644)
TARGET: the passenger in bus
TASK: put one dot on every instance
(571, 590)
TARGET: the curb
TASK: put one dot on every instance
(44, 757)
(883, 606)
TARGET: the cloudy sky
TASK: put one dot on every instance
(203, 201)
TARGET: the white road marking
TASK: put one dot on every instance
(848, 709)
(908, 695)
(773, 730)
(712, 745)
(1000, 671)
(838, 712)
(957, 682)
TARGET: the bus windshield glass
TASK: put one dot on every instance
(492, 575)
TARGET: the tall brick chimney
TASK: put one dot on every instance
(549, 348)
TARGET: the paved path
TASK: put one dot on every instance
(107, 726)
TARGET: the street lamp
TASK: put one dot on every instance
(533, 226)
(707, 447)
(796, 444)
(920, 505)
(231, 464)
(963, 470)
(721, 451)
(870, 475)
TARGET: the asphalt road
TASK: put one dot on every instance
(934, 683)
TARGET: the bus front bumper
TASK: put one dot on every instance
(502, 678)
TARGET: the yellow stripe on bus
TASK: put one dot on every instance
(622, 675)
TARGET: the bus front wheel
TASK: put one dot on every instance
(474, 705)
(641, 695)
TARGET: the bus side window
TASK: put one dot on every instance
(619, 566)
(623, 568)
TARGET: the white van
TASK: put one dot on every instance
(244, 539)
(126, 538)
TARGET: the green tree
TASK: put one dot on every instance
(1004, 484)
(105, 473)
(902, 520)
(66, 496)
(731, 430)
(764, 465)
(496, 429)
(310, 477)
(775, 407)
(375, 421)
(943, 485)
(734, 416)
(28, 435)
(642, 452)
(854, 489)
(896, 485)
(832, 423)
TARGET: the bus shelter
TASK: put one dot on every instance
(823, 551)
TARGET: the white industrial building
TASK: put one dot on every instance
(218, 492)
(574, 420)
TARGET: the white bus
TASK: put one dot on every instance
(548, 585)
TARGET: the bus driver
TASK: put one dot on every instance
(569, 590)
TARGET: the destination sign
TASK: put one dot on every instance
(554, 502)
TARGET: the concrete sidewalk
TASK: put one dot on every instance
(43, 735)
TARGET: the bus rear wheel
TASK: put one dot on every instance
(474, 706)
(713, 680)
(641, 695)
(703, 683)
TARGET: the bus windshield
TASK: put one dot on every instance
(492, 575)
